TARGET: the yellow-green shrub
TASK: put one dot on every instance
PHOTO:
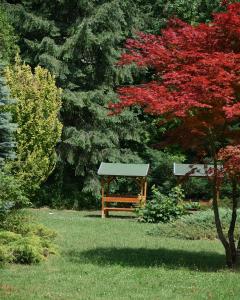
(22, 249)
(39, 129)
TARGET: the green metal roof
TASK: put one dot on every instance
(117, 169)
(193, 170)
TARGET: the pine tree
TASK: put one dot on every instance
(79, 41)
(8, 40)
(157, 12)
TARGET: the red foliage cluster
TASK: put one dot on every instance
(197, 76)
(230, 156)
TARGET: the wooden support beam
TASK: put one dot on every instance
(102, 191)
(145, 190)
(119, 209)
(126, 199)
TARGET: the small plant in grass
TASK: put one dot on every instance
(192, 205)
(162, 208)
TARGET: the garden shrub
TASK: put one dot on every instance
(26, 249)
(39, 129)
(195, 226)
(162, 208)
(5, 255)
(11, 195)
(22, 240)
(18, 221)
(23, 249)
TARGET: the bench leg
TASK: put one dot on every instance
(103, 214)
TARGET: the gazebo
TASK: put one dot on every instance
(110, 172)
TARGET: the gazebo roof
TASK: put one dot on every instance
(129, 170)
(193, 170)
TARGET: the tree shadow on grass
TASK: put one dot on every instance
(141, 257)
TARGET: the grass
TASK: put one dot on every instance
(115, 259)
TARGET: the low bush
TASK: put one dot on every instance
(23, 249)
(196, 226)
(17, 221)
(24, 241)
(162, 208)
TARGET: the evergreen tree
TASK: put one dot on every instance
(158, 12)
(7, 128)
(8, 40)
(79, 41)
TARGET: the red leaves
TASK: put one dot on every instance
(230, 156)
(199, 73)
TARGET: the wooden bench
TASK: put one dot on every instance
(135, 200)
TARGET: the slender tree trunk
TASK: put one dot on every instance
(231, 230)
(218, 223)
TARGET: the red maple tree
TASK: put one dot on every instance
(196, 82)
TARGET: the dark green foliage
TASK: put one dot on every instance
(11, 195)
(80, 43)
(198, 188)
(157, 12)
(161, 173)
(162, 208)
(196, 226)
(8, 40)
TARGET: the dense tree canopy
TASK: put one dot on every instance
(196, 79)
(80, 42)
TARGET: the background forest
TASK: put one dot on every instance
(79, 42)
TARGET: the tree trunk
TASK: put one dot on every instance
(231, 230)
(226, 245)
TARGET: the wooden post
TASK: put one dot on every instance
(109, 180)
(145, 190)
(102, 185)
(142, 191)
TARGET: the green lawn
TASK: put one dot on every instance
(115, 259)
